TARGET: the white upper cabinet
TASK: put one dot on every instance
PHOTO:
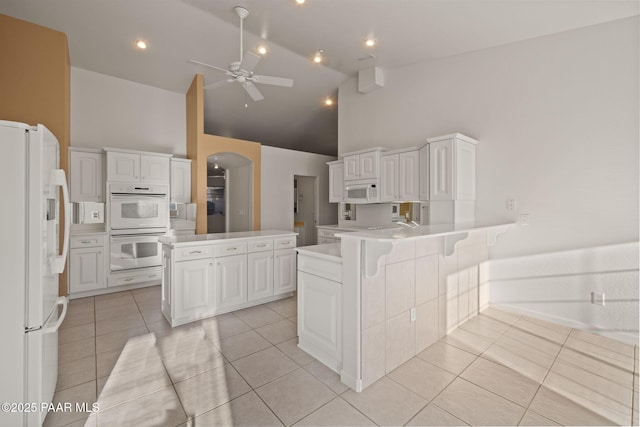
(86, 182)
(181, 180)
(389, 178)
(423, 154)
(452, 168)
(409, 176)
(123, 167)
(131, 166)
(365, 165)
(400, 177)
(336, 181)
(154, 169)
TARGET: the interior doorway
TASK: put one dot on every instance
(305, 209)
(229, 193)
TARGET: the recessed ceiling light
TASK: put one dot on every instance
(141, 44)
(318, 57)
(300, 1)
(262, 49)
(328, 101)
(370, 42)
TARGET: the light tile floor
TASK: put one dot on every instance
(244, 368)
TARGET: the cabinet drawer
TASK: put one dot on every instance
(121, 279)
(284, 242)
(194, 252)
(227, 249)
(320, 267)
(260, 245)
(330, 234)
(86, 241)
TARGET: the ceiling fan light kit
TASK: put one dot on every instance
(242, 71)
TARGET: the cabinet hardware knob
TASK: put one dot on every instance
(195, 252)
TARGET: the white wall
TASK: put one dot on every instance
(111, 112)
(278, 166)
(557, 120)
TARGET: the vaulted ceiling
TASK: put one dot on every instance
(102, 34)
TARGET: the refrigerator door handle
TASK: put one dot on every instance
(58, 178)
(64, 302)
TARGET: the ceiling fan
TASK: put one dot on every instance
(242, 71)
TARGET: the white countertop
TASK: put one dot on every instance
(330, 251)
(217, 237)
(350, 228)
(437, 230)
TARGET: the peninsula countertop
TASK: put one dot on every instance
(436, 230)
(329, 251)
(199, 239)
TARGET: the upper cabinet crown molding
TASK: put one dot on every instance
(147, 153)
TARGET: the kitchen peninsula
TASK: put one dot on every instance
(208, 274)
(401, 290)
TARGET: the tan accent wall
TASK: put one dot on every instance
(35, 80)
(200, 146)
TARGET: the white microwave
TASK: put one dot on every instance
(362, 191)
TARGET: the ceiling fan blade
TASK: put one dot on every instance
(253, 91)
(193, 61)
(276, 81)
(218, 84)
(249, 61)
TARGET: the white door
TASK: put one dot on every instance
(260, 284)
(231, 281)
(409, 176)
(123, 167)
(154, 169)
(194, 296)
(86, 184)
(389, 178)
(284, 271)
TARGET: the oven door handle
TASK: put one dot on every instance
(125, 196)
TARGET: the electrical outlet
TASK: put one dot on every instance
(523, 219)
(597, 298)
(413, 314)
(511, 204)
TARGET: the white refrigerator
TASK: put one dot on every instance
(30, 261)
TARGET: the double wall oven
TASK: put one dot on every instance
(138, 215)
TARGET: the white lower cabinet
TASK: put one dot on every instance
(284, 271)
(231, 281)
(320, 318)
(194, 296)
(87, 260)
(203, 280)
(260, 283)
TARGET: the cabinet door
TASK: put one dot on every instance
(123, 167)
(86, 269)
(231, 281)
(441, 170)
(180, 181)
(336, 183)
(86, 184)
(320, 317)
(389, 178)
(424, 173)
(409, 176)
(260, 284)
(369, 165)
(351, 167)
(154, 169)
(193, 288)
(284, 271)
(465, 171)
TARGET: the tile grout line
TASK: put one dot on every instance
(543, 379)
